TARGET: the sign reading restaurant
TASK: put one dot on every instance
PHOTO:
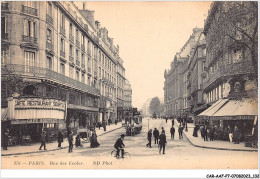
(35, 103)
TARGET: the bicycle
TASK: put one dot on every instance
(126, 154)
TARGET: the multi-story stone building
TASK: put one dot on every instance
(127, 94)
(176, 79)
(230, 84)
(196, 75)
(67, 63)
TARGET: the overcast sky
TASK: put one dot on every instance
(148, 34)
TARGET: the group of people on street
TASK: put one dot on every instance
(206, 132)
(159, 139)
(234, 136)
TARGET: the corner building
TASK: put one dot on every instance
(67, 64)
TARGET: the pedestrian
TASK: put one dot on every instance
(5, 139)
(149, 137)
(202, 131)
(237, 135)
(156, 136)
(211, 133)
(93, 141)
(172, 132)
(163, 130)
(70, 139)
(116, 122)
(206, 133)
(162, 142)
(60, 139)
(230, 134)
(78, 142)
(166, 119)
(43, 140)
(173, 122)
(180, 129)
(104, 126)
(195, 132)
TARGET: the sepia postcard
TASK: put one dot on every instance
(130, 85)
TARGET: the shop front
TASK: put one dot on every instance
(28, 117)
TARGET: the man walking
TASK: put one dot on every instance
(70, 139)
(173, 122)
(162, 142)
(43, 140)
(149, 137)
(180, 132)
(172, 132)
(60, 139)
(156, 136)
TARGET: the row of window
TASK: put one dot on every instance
(215, 94)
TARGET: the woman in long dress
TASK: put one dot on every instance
(93, 141)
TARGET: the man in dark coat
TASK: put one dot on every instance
(60, 139)
(162, 142)
(43, 140)
(206, 133)
(156, 136)
(119, 145)
(70, 139)
(180, 129)
(237, 135)
(173, 122)
(149, 137)
(211, 133)
(78, 142)
(172, 132)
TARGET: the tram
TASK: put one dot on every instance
(133, 122)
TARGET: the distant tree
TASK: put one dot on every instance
(154, 106)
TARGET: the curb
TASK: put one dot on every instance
(216, 148)
(41, 151)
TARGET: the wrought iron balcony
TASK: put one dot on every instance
(29, 10)
(29, 39)
(49, 46)
(5, 6)
(49, 19)
(62, 54)
(44, 73)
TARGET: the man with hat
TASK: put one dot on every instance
(43, 140)
(149, 137)
(119, 145)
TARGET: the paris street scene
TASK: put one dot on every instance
(129, 85)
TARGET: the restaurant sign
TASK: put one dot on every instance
(243, 117)
(38, 103)
(34, 121)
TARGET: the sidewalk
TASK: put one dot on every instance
(216, 144)
(52, 146)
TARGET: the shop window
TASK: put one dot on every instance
(29, 90)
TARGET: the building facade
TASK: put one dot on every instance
(127, 95)
(57, 60)
(176, 79)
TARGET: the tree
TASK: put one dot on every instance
(154, 106)
(240, 22)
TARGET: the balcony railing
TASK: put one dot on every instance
(77, 43)
(5, 6)
(44, 73)
(62, 30)
(4, 36)
(71, 38)
(71, 59)
(29, 39)
(49, 46)
(78, 63)
(29, 10)
(62, 54)
(49, 19)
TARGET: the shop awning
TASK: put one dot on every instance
(247, 106)
(4, 114)
(214, 108)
